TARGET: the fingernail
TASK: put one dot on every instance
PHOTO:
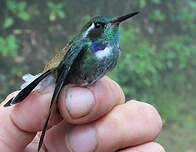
(79, 101)
(81, 139)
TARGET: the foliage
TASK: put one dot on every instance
(55, 10)
(157, 62)
(8, 44)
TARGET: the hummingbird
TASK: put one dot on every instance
(85, 59)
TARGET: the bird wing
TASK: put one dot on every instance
(63, 70)
(70, 55)
(54, 62)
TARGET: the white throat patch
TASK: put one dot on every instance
(89, 29)
(103, 53)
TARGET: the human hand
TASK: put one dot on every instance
(93, 118)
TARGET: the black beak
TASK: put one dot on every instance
(123, 18)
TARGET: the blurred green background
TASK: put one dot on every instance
(158, 52)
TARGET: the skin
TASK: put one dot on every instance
(92, 119)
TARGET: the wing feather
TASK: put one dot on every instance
(63, 70)
(25, 92)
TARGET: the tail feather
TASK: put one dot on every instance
(25, 92)
(59, 85)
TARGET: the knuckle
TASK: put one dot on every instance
(120, 91)
(158, 147)
(149, 114)
(115, 119)
(155, 116)
(114, 90)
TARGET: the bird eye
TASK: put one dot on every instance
(99, 25)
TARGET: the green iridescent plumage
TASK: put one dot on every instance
(84, 60)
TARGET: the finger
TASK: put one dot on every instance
(55, 137)
(148, 147)
(29, 116)
(126, 125)
(84, 104)
(9, 132)
(20, 123)
(56, 132)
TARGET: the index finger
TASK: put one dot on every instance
(80, 105)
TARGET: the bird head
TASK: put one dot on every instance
(104, 27)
